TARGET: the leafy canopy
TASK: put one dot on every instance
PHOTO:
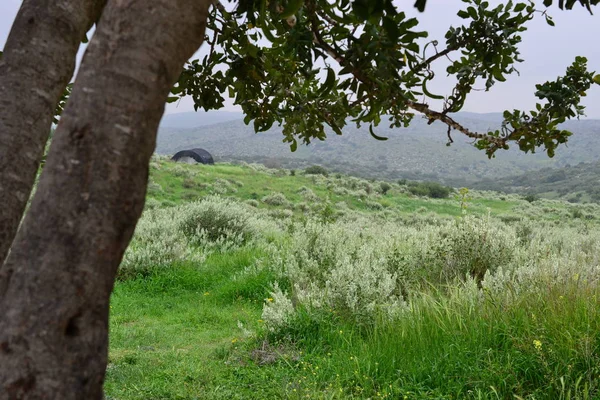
(308, 64)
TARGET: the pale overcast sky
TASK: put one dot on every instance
(547, 52)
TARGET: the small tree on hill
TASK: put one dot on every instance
(316, 170)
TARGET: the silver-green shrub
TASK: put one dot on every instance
(308, 194)
(275, 199)
(154, 187)
(222, 186)
(183, 172)
(363, 267)
(471, 246)
(216, 219)
(187, 232)
(373, 205)
(350, 267)
(281, 214)
(151, 203)
(157, 242)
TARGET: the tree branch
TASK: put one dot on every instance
(420, 107)
(219, 6)
(440, 116)
(431, 59)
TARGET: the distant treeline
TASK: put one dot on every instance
(578, 183)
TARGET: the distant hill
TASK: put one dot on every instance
(189, 120)
(577, 183)
(417, 152)
(489, 117)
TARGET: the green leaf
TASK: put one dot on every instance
(292, 8)
(410, 23)
(463, 14)
(391, 28)
(420, 5)
(329, 83)
(361, 10)
(596, 79)
(428, 93)
(264, 23)
(472, 12)
(374, 135)
(498, 75)
(520, 7)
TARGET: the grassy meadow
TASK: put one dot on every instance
(243, 282)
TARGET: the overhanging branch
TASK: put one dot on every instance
(440, 116)
(417, 68)
(420, 107)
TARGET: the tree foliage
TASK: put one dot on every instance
(429, 189)
(308, 64)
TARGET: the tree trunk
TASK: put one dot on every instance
(56, 283)
(38, 61)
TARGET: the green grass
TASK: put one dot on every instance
(452, 349)
(258, 184)
(194, 330)
(175, 335)
(172, 333)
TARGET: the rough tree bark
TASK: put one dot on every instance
(56, 282)
(38, 61)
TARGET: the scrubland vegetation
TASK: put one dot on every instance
(254, 283)
(416, 152)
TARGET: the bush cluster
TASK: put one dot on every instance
(316, 170)
(429, 189)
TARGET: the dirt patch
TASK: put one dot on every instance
(268, 354)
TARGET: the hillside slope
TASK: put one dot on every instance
(417, 152)
(286, 193)
(243, 282)
(577, 183)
